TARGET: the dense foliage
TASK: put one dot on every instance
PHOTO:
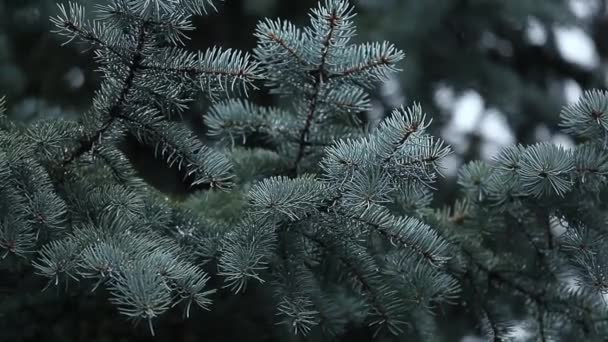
(315, 211)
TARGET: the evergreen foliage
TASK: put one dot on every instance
(314, 201)
(70, 193)
(355, 227)
(550, 200)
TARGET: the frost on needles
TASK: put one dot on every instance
(309, 200)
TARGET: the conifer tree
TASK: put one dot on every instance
(347, 210)
(314, 201)
(327, 210)
(68, 190)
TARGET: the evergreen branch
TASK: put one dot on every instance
(141, 293)
(281, 198)
(17, 237)
(333, 16)
(181, 148)
(364, 67)
(318, 74)
(58, 259)
(494, 330)
(368, 63)
(32, 209)
(235, 118)
(289, 49)
(198, 7)
(546, 170)
(403, 124)
(376, 303)
(299, 313)
(171, 26)
(295, 288)
(246, 252)
(367, 208)
(165, 8)
(591, 165)
(537, 297)
(72, 24)
(407, 232)
(588, 117)
(303, 136)
(115, 110)
(118, 164)
(496, 276)
(365, 284)
(87, 145)
(222, 66)
(48, 138)
(353, 101)
(493, 326)
(274, 33)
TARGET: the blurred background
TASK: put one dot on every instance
(489, 72)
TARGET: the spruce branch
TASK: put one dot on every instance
(361, 266)
(246, 252)
(350, 240)
(233, 119)
(370, 61)
(285, 40)
(205, 165)
(318, 73)
(71, 23)
(140, 293)
(588, 117)
(545, 169)
(88, 143)
(118, 164)
(103, 224)
(16, 238)
(282, 198)
(407, 232)
(212, 71)
(399, 127)
(319, 67)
